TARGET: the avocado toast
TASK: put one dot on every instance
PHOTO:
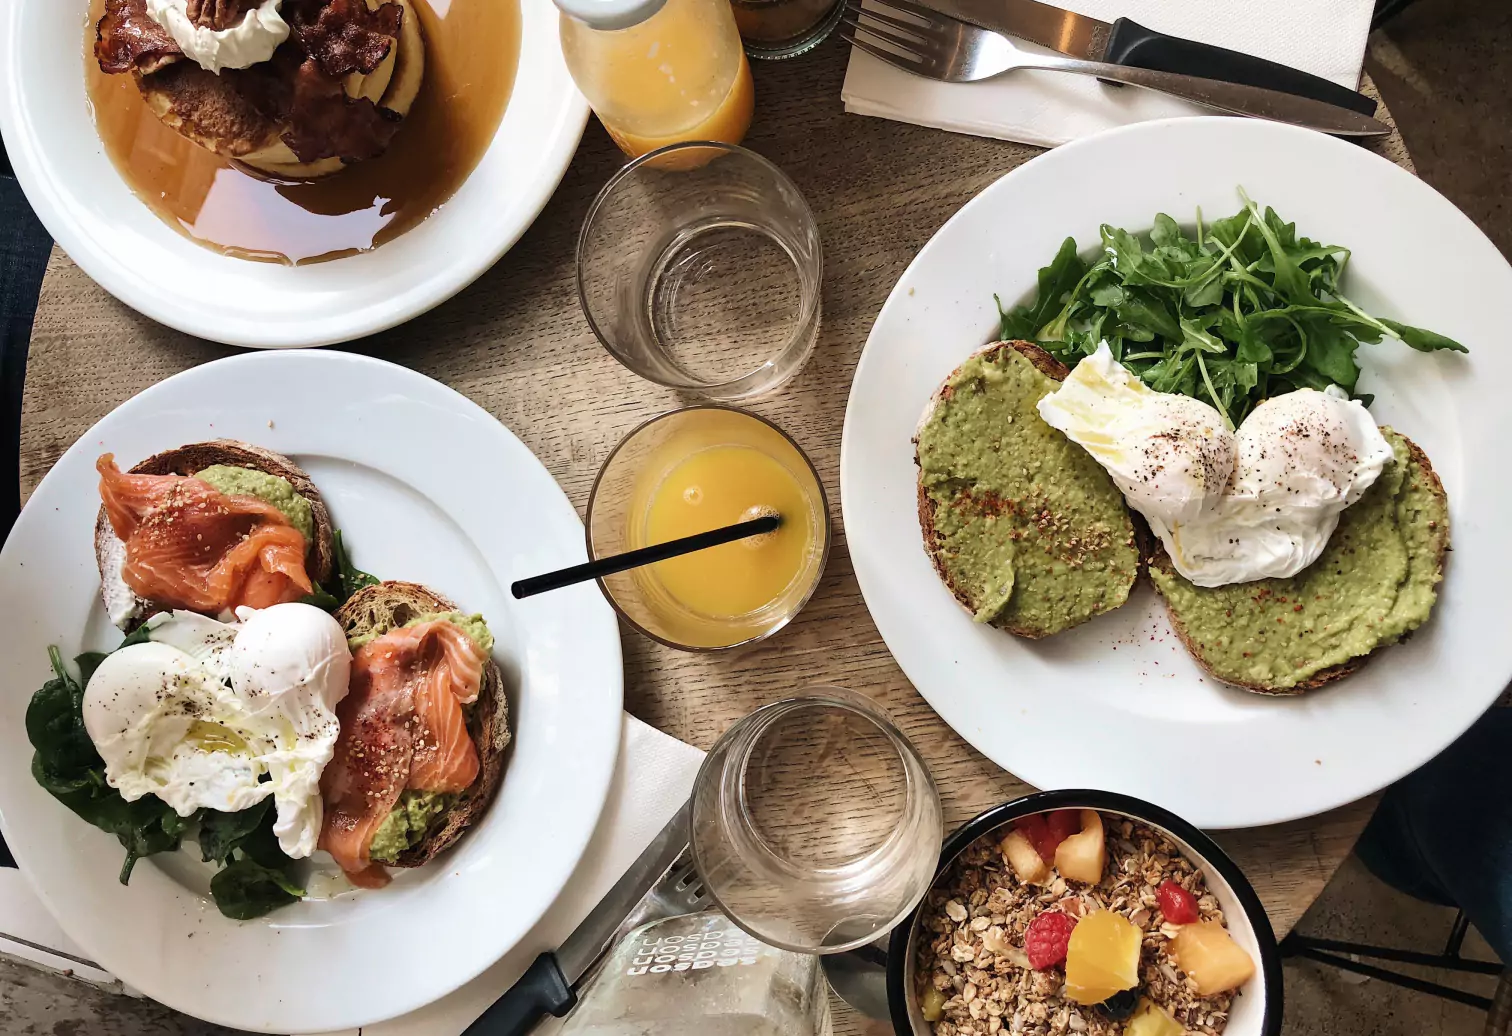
(1373, 585)
(1025, 529)
(412, 771)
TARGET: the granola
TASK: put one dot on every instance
(972, 945)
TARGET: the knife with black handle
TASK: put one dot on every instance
(550, 984)
(1126, 42)
(1130, 43)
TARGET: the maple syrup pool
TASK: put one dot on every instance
(472, 50)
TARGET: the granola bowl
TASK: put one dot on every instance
(980, 955)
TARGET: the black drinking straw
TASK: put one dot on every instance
(644, 556)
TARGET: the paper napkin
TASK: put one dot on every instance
(1324, 37)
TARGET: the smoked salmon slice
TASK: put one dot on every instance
(402, 726)
(188, 545)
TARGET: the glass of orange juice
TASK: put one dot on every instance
(702, 468)
(699, 268)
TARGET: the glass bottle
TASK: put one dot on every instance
(659, 72)
(699, 975)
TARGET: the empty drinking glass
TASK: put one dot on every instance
(815, 824)
(699, 268)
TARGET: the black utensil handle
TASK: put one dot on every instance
(541, 990)
(1132, 44)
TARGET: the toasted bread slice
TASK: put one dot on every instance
(374, 610)
(1266, 610)
(320, 558)
(1093, 549)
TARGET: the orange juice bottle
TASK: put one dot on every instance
(659, 72)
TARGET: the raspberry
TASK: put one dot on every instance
(1047, 938)
(1178, 905)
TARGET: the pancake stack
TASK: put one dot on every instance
(335, 92)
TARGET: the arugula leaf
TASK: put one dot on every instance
(1245, 310)
(1057, 280)
(1423, 340)
(245, 889)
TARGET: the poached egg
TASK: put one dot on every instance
(1229, 507)
(219, 715)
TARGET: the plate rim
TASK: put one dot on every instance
(975, 734)
(54, 209)
(600, 782)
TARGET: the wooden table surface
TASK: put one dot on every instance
(517, 343)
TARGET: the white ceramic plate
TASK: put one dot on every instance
(1117, 703)
(83, 202)
(428, 487)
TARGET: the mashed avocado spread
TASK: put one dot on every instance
(473, 625)
(407, 824)
(1029, 529)
(1374, 583)
(270, 489)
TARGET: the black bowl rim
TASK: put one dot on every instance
(1113, 802)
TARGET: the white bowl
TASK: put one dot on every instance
(50, 135)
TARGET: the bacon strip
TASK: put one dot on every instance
(326, 123)
(402, 726)
(128, 38)
(346, 36)
(188, 545)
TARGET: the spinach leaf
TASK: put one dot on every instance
(67, 766)
(257, 876)
(352, 578)
(219, 832)
(55, 722)
(322, 599)
(345, 581)
(245, 889)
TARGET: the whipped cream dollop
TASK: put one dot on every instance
(244, 44)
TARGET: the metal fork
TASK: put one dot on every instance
(937, 46)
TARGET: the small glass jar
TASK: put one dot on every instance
(659, 72)
(699, 974)
(785, 28)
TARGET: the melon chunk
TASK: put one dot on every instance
(1211, 958)
(1024, 858)
(1082, 856)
